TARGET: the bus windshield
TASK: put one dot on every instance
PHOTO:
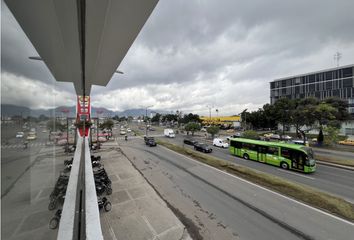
(309, 152)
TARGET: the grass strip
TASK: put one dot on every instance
(308, 195)
(344, 162)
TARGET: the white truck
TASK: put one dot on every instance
(169, 133)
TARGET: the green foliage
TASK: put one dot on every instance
(192, 127)
(108, 124)
(250, 134)
(332, 135)
(213, 130)
(190, 118)
(169, 118)
(156, 118)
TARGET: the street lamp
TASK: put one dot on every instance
(146, 128)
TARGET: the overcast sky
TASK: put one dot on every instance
(194, 54)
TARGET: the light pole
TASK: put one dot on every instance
(210, 107)
(146, 112)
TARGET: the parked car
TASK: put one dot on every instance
(347, 142)
(236, 135)
(275, 137)
(218, 142)
(203, 129)
(286, 137)
(20, 134)
(300, 142)
(202, 147)
(123, 132)
(189, 141)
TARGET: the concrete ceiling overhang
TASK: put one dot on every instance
(71, 44)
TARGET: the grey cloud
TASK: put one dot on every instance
(241, 44)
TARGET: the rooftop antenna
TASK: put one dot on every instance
(337, 56)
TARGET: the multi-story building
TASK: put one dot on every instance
(334, 82)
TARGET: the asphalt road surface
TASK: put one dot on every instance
(336, 181)
(333, 180)
(219, 203)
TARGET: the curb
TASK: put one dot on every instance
(335, 165)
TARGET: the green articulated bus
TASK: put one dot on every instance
(284, 155)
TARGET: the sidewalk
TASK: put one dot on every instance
(137, 210)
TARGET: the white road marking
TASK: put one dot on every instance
(266, 189)
(300, 175)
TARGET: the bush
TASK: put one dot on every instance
(332, 135)
(250, 134)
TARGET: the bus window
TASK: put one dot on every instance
(262, 149)
(249, 146)
(286, 153)
(236, 144)
(273, 150)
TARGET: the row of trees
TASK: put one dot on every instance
(303, 114)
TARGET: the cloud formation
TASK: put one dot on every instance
(191, 54)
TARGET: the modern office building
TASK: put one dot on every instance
(334, 82)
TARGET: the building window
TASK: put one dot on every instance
(347, 72)
(348, 82)
(328, 75)
(312, 78)
(328, 85)
(312, 87)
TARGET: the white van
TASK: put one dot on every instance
(169, 133)
(218, 142)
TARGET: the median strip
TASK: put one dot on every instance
(344, 162)
(300, 192)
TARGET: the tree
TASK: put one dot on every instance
(341, 106)
(213, 130)
(250, 134)
(269, 115)
(108, 124)
(190, 118)
(192, 127)
(332, 135)
(169, 118)
(302, 116)
(323, 113)
(283, 107)
(156, 118)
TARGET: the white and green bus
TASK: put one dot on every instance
(284, 155)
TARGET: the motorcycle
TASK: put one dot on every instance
(54, 222)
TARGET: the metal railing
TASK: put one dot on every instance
(80, 217)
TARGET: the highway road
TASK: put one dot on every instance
(326, 178)
(220, 204)
(329, 179)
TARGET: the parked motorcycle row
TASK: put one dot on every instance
(102, 183)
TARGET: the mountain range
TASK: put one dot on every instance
(8, 110)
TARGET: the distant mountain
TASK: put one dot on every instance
(8, 110)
